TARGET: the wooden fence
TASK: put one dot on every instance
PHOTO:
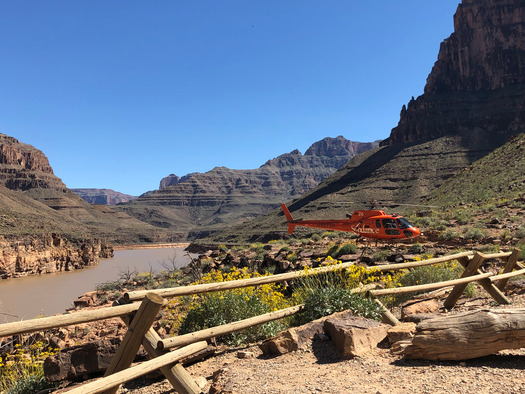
(139, 316)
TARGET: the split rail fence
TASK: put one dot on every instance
(139, 309)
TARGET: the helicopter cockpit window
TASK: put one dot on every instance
(389, 223)
(378, 223)
(403, 223)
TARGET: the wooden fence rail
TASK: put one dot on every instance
(140, 316)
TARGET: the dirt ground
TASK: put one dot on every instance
(319, 369)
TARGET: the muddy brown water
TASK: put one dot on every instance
(31, 296)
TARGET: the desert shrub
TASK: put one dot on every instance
(285, 249)
(416, 248)
(332, 250)
(489, 248)
(382, 255)
(474, 233)
(257, 247)
(315, 237)
(347, 248)
(325, 301)
(430, 274)
(521, 246)
(21, 370)
(330, 234)
(214, 309)
(448, 235)
(292, 257)
(350, 277)
(520, 232)
(223, 249)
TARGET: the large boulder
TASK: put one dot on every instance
(354, 336)
(80, 362)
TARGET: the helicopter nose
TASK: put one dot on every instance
(415, 232)
(412, 232)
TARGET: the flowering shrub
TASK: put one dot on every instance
(329, 292)
(218, 308)
(328, 300)
(21, 370)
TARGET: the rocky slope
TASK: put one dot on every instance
(33, 201)
(103, 196)
(473, 102)
(202, 203)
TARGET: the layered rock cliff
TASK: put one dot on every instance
(33, 201)
(202, 203)
(476, 88)
(103, 196)
(33, 255)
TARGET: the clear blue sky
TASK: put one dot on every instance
(120, 93)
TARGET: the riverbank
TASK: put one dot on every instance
(26, 297)
(48, 253)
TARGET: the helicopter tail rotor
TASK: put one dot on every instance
(289, 219)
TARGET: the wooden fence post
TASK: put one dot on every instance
(470, 269)
(134, 337)
(387, 316)
(179, 378)
(509, 266)
(487, 284)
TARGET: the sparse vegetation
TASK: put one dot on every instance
(21, 368)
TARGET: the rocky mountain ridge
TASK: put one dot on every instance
(102, 196)
(204, 202)
(474, 101)
(35, 202)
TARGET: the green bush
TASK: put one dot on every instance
(29, 384)
(520, 233)
(332, 250)
(325, 301)
(416, 248)
(348, 248)
(448, 235)
(521, 246)
(292, 257)
(431, 274)
(315, 237)
(474, 233)
(216, 309)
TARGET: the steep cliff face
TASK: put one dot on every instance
(33, 255)
(477, 85)
(222, 196)
(23, 167)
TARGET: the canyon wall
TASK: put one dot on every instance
(33, 255)
(476, 88)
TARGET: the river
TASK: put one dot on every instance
(27, 297)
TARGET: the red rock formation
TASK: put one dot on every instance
(46, 254)
(477, 85)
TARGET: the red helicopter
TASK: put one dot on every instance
(372, 223)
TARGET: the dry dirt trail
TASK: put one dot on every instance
(319, 369)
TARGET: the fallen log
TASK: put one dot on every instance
(468, 335)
